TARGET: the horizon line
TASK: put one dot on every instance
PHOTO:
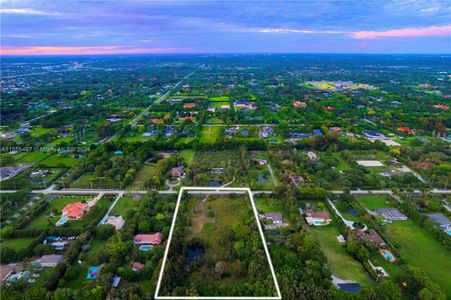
(219, 53)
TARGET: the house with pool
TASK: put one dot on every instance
(317, 218)
(147, 241)
(73, 211)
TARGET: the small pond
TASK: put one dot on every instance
(195, 252)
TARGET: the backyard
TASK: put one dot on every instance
(418, 248)
(44, 220)
(340, 263)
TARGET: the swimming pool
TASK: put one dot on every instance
(145, 247)
(61, 221)
(317, 222)
(92, 272)
(388, 255)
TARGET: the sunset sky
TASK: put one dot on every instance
(138, 27)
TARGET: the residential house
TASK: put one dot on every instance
(299, 104)
(391, 214)
(312, 156)
(372, 236)
(406, 130)
(317, 218)
(266, 131)
(137, 266)
(7, 270)
(75, 210)
(177, 172)
(442, 221)
(189, 105)
(50, 260)
(148, 239)
(296, 179)
(274, 219)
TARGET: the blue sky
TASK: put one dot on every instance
(101, 27)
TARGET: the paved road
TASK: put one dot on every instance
(52, 190)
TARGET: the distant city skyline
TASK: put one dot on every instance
(172, 27)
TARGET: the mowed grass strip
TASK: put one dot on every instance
(144, 174)
(374, 202)
(188, 155)
(124, 205)
(421, 250)
(209, 134)
(17, 243)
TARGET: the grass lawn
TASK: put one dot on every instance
(43, 277)
(124, 205)
(188, 155)
(219, 99)
(90, 180)
(342, 164)
(421, 250)
(393, 269)
(267, 205)
(61, 140)
(55, 160)
(144, 174)
(339, 261)
(17, 243)
(374, 202)
(32, 157)
(209, 134)
(38, 131)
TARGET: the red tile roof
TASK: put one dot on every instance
(75, 210)
(136, 265)
(148, 239)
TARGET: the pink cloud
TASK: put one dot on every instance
(444, 31)
(55, 50)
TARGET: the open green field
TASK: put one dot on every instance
(32, 157)
(340, 263)
(216, 159)
(342, 164)
(90, 180)
(61, 140)
(43, 220)
(188, 155)
(124, 205)
(209, 134)
(56, 160)
(38, 131)
(144, 174)
(217, 104)
(17, 243)
(374, 202)
(418, 248)
(220, 99)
